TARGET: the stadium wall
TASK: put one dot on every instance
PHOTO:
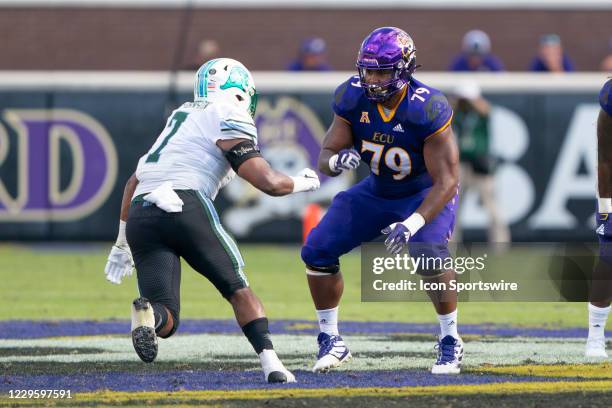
(113, 37)
(69, 141)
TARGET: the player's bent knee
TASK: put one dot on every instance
(319, 263)
(241, 295)
(322, 270)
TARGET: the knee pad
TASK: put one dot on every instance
(319, 259)
(319, 263)
(322, 270)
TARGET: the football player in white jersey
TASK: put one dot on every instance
(167, 211)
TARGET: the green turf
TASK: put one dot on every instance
(63, 284)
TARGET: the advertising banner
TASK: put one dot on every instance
(66, 152)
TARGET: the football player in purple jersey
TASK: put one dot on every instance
(400, 127)
(599, 307)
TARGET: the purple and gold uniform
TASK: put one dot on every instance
(391, 142)
(604, 220)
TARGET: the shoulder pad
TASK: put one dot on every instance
(347, 94)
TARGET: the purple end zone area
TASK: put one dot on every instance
(236, 380)
(28, 329)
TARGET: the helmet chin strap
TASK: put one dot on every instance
(390, 97)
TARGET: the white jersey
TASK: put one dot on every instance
(186, 154)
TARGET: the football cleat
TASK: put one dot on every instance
(273, 368)
(450, 354)
(144, 338)
(596, 348)
(332, 353)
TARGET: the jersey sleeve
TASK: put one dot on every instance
(436, 116)
(345, 100)
(605, 97)
(233, 122)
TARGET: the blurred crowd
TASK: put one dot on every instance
(472, 110)
(475, 55)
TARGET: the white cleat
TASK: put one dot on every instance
(332, 353)
(273, 368)
(596, 348)
(144, 338)
(450, 355)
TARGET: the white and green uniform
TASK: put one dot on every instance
(186, 154)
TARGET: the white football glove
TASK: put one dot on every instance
(306, 180)
(120, 262)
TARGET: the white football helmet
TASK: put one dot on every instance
(225, 79)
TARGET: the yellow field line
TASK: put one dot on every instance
(601, 370)
(112, 397)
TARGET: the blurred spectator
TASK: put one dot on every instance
(551, 57)
(471, 126)
(207, 50)
(312, 56)
(606, 63)
(476, 54)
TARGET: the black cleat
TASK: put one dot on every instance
(277, 377)
(144, 338)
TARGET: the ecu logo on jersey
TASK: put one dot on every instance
(364, 117)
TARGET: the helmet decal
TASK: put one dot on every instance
(238, 78)
(202, 79)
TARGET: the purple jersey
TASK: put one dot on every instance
(605, 97)
(392, 142)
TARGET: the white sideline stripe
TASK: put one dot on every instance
(288, 82)
(212, 347)
(315, 273)
(318, 4)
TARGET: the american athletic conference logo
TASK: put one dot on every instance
(37, 193)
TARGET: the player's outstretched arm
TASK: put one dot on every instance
(337, 154)
(442, 162)
(247, 162)
(120, 262)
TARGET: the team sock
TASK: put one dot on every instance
(256, 331)
(597, 321)
(328, 321)
(448, 325)
(161, 316)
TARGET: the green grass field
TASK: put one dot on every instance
(216, 368)
(57, 283)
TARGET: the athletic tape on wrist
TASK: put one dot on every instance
(121, 238)
(414, 223)
(605, 205)
(332, 164)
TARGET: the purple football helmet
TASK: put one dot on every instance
(386, 48)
